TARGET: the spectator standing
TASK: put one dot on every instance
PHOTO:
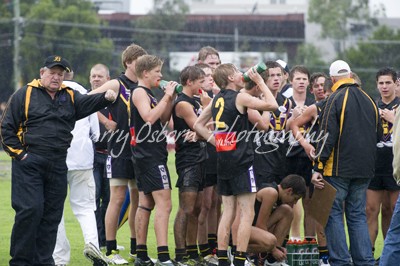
(100, 74)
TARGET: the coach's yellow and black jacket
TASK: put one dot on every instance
(349, 129)
(34, 122)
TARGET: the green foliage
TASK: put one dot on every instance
(339, 19)
(310, 56)
(155, 31)
(334, 16)
(74, 232)
(72, 226)
(68, 28)
(6, 54)
(380, 50)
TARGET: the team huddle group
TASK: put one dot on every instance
(237, 195)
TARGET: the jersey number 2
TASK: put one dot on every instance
(220, 103)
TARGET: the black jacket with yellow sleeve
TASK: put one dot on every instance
(350, 126)
(34, 122)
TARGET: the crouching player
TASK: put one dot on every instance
(273, 216)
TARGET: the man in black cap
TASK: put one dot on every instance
(36, 133)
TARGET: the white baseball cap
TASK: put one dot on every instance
(284, 65)
(339, 68)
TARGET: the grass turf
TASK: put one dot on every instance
(74, 232)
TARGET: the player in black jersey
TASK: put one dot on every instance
(397, 89)
(212, 201)
(258, 124)
(390, 253)
(208, 218)
(383, 190)
(296, 158)
(190, 159)
(273, 216)
(271, 145)
(309, 141)
(321, 88)
(119, 162)
(150, 157)
(236, 181)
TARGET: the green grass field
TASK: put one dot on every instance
(72, 226)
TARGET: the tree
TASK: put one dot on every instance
(68, 28)
(339, 19)
(380, 50)
(155, 30)
(167, 17)
(6, 46)
(310, 56)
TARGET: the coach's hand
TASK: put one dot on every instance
(317, 180)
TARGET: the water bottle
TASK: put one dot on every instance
(163, 83)
(260, 67)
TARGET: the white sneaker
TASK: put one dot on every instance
(211, 259)
(249, 262)
(93, 254)
(116, 259)
(323, 262)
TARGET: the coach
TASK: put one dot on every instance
(36, 133)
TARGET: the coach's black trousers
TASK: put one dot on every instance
(39, 188)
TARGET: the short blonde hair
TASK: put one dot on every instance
(147, 63)
(221, 74)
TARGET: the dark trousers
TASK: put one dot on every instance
(39, 188)
(102, 194)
